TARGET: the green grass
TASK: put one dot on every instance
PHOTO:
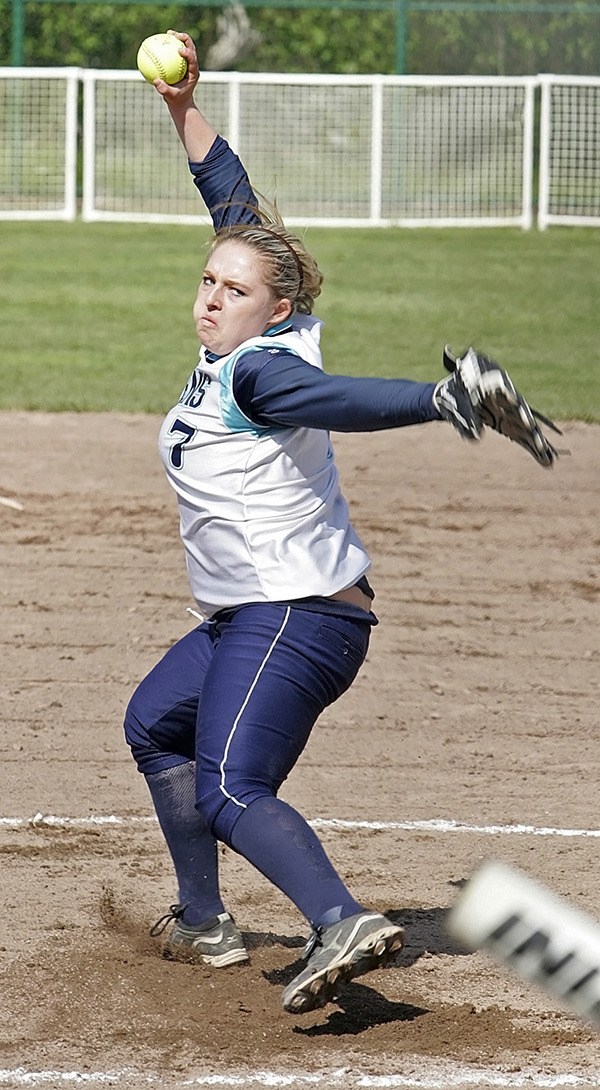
(98, 316)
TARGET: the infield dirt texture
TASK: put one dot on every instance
(478, 704)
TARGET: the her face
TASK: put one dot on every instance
(233, 302)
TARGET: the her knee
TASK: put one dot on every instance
(137, 737)
(149, 754)
(221, 810)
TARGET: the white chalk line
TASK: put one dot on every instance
(439, 1077)
(432, 825)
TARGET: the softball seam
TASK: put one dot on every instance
(160, 66)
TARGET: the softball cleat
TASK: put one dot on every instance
(217, 941)
(338, 954)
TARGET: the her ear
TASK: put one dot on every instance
(282, 310)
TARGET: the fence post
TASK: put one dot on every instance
(544, 168)
(401, 31)
(528, 152)
(17, 33)
(376, 150)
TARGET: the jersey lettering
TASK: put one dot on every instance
(195, 389)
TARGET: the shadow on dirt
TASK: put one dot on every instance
(424, 933)
(362, 1008)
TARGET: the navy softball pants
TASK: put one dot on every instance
(239, 695)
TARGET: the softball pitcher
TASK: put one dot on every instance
(276, 569)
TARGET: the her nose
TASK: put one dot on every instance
(213, 296)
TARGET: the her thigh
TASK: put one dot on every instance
(274, 670)
(160, 722)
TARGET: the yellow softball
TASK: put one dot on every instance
(159, 58)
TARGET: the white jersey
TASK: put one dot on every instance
(262, 518)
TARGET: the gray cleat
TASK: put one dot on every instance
(216, 942)
(337, 954)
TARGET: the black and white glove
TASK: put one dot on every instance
(495, 403)
(452, 398)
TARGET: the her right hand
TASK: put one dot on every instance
(182, 93)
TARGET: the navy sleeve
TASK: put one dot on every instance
(273, 386)
(225, 187)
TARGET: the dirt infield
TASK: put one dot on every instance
(478, 704)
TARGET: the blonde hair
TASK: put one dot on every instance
(291, 271)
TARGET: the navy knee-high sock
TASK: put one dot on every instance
(278, 841)
(192, 847)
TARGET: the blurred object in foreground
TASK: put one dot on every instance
(536, 933)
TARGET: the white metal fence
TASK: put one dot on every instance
(332, 150)
(569, 188)
(38, 143)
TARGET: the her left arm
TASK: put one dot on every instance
(276, 387)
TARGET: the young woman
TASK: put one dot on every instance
(278, 574)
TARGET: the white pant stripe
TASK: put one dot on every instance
(241, 711)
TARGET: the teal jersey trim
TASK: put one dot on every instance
(232, 415)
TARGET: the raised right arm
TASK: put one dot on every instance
(218, 173)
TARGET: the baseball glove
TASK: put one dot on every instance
(479, 393)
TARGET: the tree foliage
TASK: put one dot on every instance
(329, 39)
(504, 43)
